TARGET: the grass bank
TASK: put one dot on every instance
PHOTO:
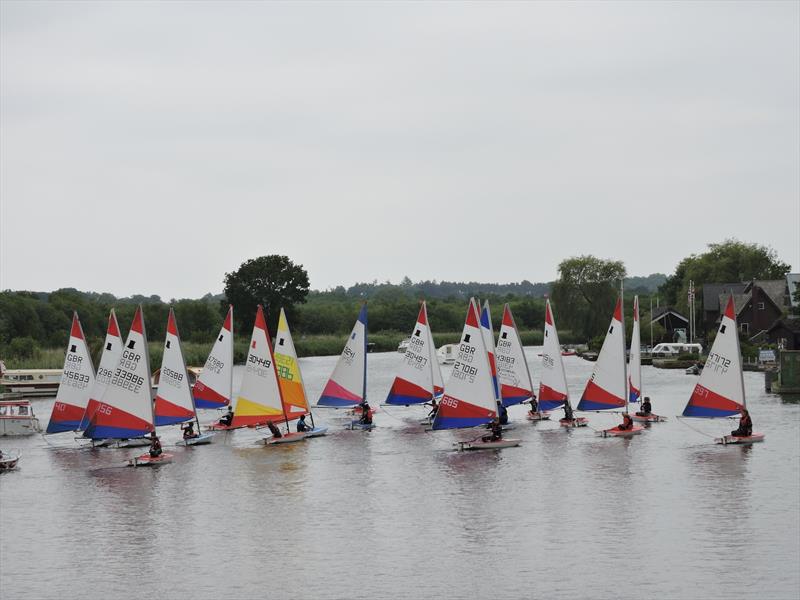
(307, 345)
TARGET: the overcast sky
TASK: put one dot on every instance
(153, 147)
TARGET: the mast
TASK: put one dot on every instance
(366, 333)
(624, 349)
(277, 379)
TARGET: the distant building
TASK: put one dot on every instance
(758, 304)
(793, 284)
(673, 322)
(785, 333)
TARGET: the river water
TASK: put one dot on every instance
(395, 513)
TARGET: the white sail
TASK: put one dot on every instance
(607, 388)
(348, 382)
(77, 382)
(413, 383)
(553, 390)
(173, 402)
(512, 366)
(112, 350)
(214, 386)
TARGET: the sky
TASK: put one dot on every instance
(150, 148)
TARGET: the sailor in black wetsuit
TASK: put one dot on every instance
(501, 410)
(155, 445)
(647, 408)
(227, 418)
(496, 431)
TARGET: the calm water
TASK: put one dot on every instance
(393, 513)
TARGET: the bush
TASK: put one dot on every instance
(23, 348)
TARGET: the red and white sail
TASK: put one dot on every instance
(487, 331)
(635, 360)
(174, 402)
(720, 390)
(608, 386)
(469, 398)
(77, 382)
(438, 380)
(112, 350)
(259, 400)
(214, 386)
(347, 385)
(414, 382)
(126, 407)
(512, 366)
(553, 391)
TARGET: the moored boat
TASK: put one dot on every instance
(17, 418)
(8, 462)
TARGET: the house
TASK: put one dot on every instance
(758, 304)
(793, 283)
(785, 333)
(673, 322)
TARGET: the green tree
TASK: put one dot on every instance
(585, 291)
(731, 261)
(273, 281)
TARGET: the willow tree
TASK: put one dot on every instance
(585, 292)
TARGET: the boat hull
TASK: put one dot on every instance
(648, 419)
(318, 431)
(624, 433)
(287, 438)
(203, 438)
(481, 445)
(741, 440)
(571, 423)
(19, 425)
(132, 443)
(6, 464)
(360, 425)
(145, 460)
(538, 416)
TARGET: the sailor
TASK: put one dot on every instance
(496, 431)
(627, 422)
(188, 431)
(434, 409)
(227, 418)
(568, 414)
(366, 413)
(503, 413)
(155, 445)
(647, 408)
(276, 433)
(534, 404)
(745, 428)
(301, 424)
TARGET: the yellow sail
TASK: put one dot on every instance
(289, 377)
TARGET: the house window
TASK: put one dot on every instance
(744, 327)
(760, 306)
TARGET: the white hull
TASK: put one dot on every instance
(730, 439)
(8, 462)
(648, 419)
(13, 426)
(203, 438)
(287, 438)
(481, 445)
(318, 431)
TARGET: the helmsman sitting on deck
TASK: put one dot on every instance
(273, 429)
(534, 405)
(366, 413)
(188, 431)
(647, 408)
(301, 424)
(227, 418)
(155, 445)
(627, 422)
(745, 425)
(496, 431)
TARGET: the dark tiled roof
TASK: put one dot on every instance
(776, 290)
(790, 324)
(662, 311)
(712, 292)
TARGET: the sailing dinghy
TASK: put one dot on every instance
(635, 370)
(293, 391)
(607, 389)
(77, 383)
(112, 350)
(214, 386)
(469, 398)
(347, 385)
(514, 377)
(125, 409)
(719, 392)
(259, 399)
(553, 390)
(174, 403)
(416, 381)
